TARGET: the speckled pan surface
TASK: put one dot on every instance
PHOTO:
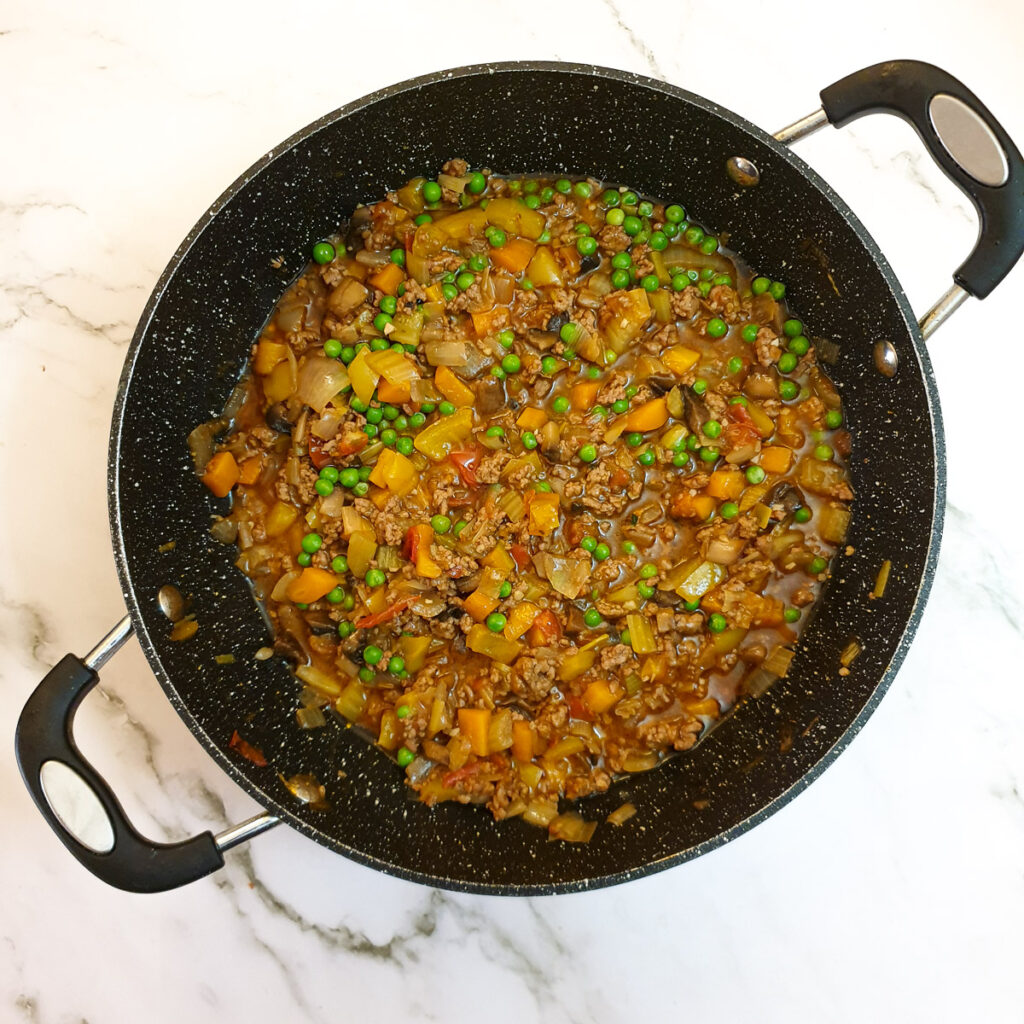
(191, 345)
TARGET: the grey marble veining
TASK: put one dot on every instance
(890, 890)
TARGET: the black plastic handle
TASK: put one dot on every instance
(134, 863)
(906, 88)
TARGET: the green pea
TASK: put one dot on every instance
(445, 408)
(336, 596)
(583, 189)
(348, 477)
(496, 237)
(348, 353)
(526, 284)
(628, 547)
(396, 665)
(332, 348)
(304, 558)
(323, 252)
(587, 453)
(477, 183)
(423, 218)
(505, 590)
(379, 344)
(427, 407)
(802, 514)
(693, 235)
(619, 406)
(777, 290)
(670, 229)
(449, 291)
(465, 280)
(339, 564)
(635, 439)
(602, 551)
(632, 225)
(371, 653)
(586, 246)
(674, 213)
(361, 489)
(511, 363)
(624, 637)
(388, 437)
(658, 241)
(709, 454)
(799, 345)
(403, 711)
(323, 488)
(431, 191)
(788, 390)
(495, 432)
(717, 327)
(645, 590)
(648, 571)
(817, 566)
(709, 245)
(459, 527)
(589, 543)
(529, 440)
(375, 578)
(691, 606)
(593, 373)
(529, 187)
(649, 282)
(646, 458)
(622, 261)
(791, 614)
(749, 333)
(824, 453)
(497, 371)
(560, 404)
(760, 285)
(680, 459)
(532, 202)
(615, 217)
(495, 622)
(729, 510)
(367, 675)
(398, 258)
(564, 185)
(712, 429)
(700, 386)
(358, 405)
(330, 473)
(833, 419)
(735, 365)
(787, 362)
(739, 400)
(374, 415)
(592, 618)
(704, 287)
(404, 757)
(717, 622)
(547, 194)
(345, 629)
(754, 474)
(629, 198)
(679, 282)
(791, 328)
(312, 543)
(620, 279)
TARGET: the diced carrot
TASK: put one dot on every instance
(522, 740)
(221, 474)
(249, 471)
(649, 416)
(393, 393)
(456, 391)
(311, 585)
(515, 255)
(532, 418)
(584, 395)
(474, 724)
(776, 459)
(599, 696)
(268, 355)
(725, 484)
(490, 321)
(388, 278)
(479, 605)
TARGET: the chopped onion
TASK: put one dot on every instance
(540, 812)
(779, 660)
(621, 814)
(331, 507)
(200, 442)
(640, 762)
(446, 353)
(320, 379)
(725, 550)
(368, 258)
(571, 828)
(310, 718)
(327, 426)
(567, 575)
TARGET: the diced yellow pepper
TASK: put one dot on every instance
(311, 585)
(395, 472)
(544, 517)
(474, 724)
(679, 359)
(498, 558)
(362, 376)
(599, 696)
(444, 436)
(493, 645)
(575, 664)
(455, 390)
(520, 620)
(268, 355)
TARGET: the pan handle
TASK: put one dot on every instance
(963, 138)
(107, 845)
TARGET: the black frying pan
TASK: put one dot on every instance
(211, 301)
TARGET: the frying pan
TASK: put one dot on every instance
(210, 303)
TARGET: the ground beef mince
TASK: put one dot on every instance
(548, 476)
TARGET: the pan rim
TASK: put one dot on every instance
(660, 864)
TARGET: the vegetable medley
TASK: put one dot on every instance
(535, 480)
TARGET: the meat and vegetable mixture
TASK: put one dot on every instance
(535, 480)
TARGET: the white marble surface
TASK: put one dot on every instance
(893, 889)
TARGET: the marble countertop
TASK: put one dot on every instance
(892, 889)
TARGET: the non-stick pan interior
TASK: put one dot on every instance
(193, 341)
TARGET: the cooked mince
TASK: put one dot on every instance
(534, 479)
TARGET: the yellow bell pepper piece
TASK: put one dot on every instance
(679, 359)
(444, 436)
(455, 390)
(395, 472)
(362, 376)
(498, 558)
(493, 645)
(311, 585)
(474, 724)
(268, 355)
(531, 418)
(520, 620)
(649, 416)
(544, 517)
(599, 696)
